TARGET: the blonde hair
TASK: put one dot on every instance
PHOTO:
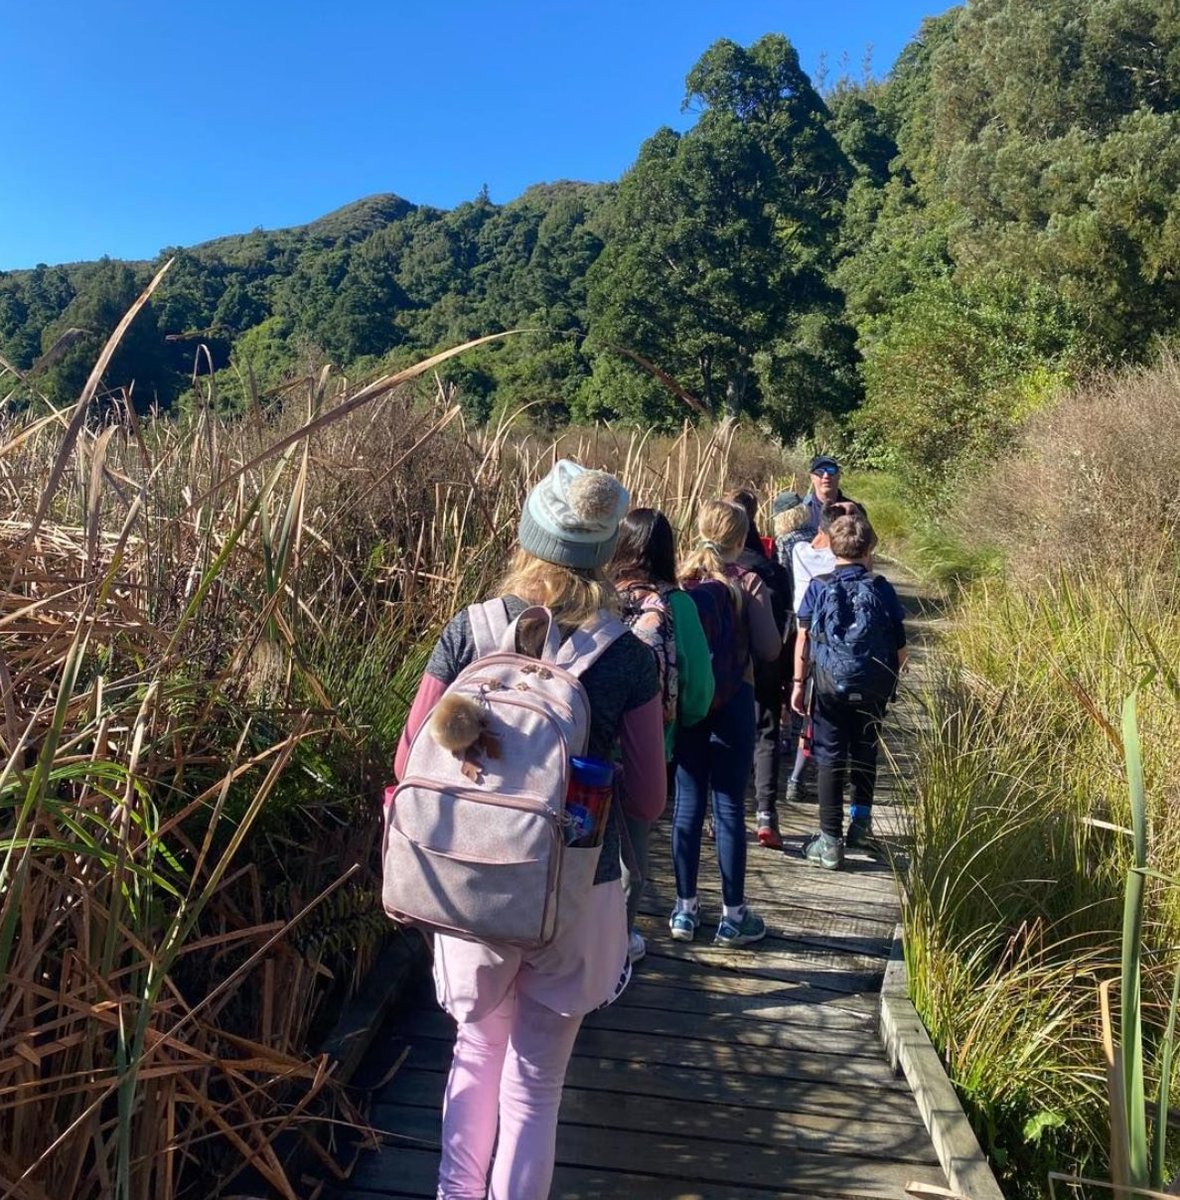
(790, 520)
(574, 596)
(721, 534)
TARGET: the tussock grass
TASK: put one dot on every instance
(209, 638)
(1021, 811)
(927, 543)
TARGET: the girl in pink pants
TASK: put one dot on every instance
(518, 1012)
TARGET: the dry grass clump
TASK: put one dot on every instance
(1022, 803)
(1096, 476)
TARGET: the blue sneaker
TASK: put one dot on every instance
(751, 928)
(684, 925)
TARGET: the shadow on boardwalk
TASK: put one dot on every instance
(719, 1074)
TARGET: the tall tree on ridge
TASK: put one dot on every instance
(718, 244)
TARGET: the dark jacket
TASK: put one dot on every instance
(815, 508)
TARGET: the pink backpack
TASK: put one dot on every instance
(475, 835)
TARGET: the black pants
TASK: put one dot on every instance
(768, 711)
(846, 740)
(767, 755)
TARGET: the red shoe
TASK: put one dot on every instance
(768, 834)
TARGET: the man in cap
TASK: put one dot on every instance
(825, 488)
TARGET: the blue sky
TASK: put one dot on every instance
(128, 126)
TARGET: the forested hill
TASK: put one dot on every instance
(916, 261)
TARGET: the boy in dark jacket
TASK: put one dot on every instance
(852, 638)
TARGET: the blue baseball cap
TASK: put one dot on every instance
(824, 464)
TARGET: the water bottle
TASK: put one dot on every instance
(588, 801)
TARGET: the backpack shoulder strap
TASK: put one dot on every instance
(489, 624)
(587, 644)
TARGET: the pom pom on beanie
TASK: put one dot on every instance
(572, 516)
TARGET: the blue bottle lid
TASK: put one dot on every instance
(592, 772)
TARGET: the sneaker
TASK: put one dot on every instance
(684, 925)
(768, 834)
(751, 928)
(794, 792)
(823, 850)
(860, 836)
(636, 946)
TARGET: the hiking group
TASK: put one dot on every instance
(552, 724)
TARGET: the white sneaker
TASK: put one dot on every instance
(636, 947)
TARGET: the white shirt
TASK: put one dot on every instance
(806, 564)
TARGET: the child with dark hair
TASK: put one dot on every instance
(852, 642)
(665, 619)
(769, 677)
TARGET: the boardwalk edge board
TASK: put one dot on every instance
(403, 957)
(912, 1053)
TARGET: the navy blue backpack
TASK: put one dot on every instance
(853, 642)
(725, 632)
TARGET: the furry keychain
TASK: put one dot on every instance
(459, 724)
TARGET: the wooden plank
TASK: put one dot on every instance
(753, 1021)
(770, 1004)
(649, 1053)
(687, 963)
(657, 970)
(717, 1087)
(673, 1156)
(794, 1032)
(848, 972)
(416, 1173)
(691, 1118)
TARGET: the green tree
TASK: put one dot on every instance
(1050, 130)
(105, 291)
(718, 240)
(30, 301)
(956, 372)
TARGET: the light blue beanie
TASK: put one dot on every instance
(572, 516)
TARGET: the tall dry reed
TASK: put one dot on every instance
(209, 637)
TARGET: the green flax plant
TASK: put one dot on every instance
(1144, 1053)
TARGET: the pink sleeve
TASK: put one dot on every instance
(766, 643)
(645, 770)
(430, 691)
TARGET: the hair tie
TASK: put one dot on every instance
(711, 545)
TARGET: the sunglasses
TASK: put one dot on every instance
(826, 471)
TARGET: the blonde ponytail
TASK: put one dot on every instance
(721, 534)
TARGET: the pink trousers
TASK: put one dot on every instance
(509, 1069)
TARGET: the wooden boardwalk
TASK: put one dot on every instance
(719, 1074)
